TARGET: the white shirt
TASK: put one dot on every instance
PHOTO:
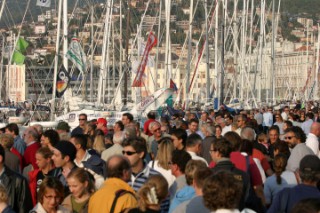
(313, 143)
(166, 173)
(194, 156)
(267, 119)
(306, 126)
(226, 129)
(284, 116)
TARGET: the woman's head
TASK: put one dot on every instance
(279, 165)
(51, 193)
(165, 152)
(43, 157)
(80, 182)
(99, 144)
(153, 192)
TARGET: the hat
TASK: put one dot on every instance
(63, 126)
(310, 163)
(102, 121)
(67, 148)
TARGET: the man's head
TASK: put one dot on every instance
(309, 169)
(79, 141)
(135, 150)
(234, 139)
(63, 153)
(274, 134)
(248, 133)
(82, 119)
(315, 129)
(49, 138)
(193, 143)
(286, 110)
(118, 166)
(193, 125)
(191, 167)
(179, 138)
(221, 148)
(127, 118)
(63, 127)
(200, 175)
(309, 116)
(151, 115)
(204, 116)
(30, 135)
(287, 124)
(12, 129)
(2, 155)
(6, 140)
(179, 161)
(155, 129)
(241, 121)
(229, 119)
(118, 126)
(294, 136)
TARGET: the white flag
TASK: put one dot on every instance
(44, 3)
(76, 55)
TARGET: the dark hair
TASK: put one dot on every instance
(180, 134)
(222, 191)
(200, 175)
(298, 132)
(310, 205)
(282, 147)
(51, 183)
(2, 153)
(45, 152)
(139, 144)
(81, 139)
(223, 146)
(151, 115)
(246, 146)
(128, 115)
(83, 114)
(116, 170)
(52, 136)
(193, 120)
(120, 124)
(289, 123)
(310, 115)
(181, 158)
(12, 127)
(193, 140)
(276, 128)
(279, 166)
(191, 167)
(234, 139)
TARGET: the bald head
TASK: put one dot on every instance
(315, 129)
(118, 166)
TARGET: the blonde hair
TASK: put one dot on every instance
(156, 187)
(191, 168)
(165, 152)
(6, 141)
(98, 144)
(3, 194)
(262, 137)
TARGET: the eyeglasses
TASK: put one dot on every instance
(82, 119)
(129, 153)
(50, 197)
(289, 137)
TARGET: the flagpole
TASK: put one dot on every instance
(54, 87)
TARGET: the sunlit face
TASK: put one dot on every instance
(156, 131)
(44, 141)
(177, 143)
(77, 188)
(273, 136)
(41, 161)
(218, 132)
(291, 139)
(51, 200)
(133, 156)
(82, 120)
(125, 120)
(57, 158)
(193, 127)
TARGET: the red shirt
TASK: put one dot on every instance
(29, 156)
(17, 153)
(264, 161)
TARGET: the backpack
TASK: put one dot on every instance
(118, 194)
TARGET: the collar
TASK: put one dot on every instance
(31, 143)
(85, 158)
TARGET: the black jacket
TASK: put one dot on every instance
(18, 191)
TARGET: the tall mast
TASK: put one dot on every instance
(168, 42)
(158, 44)
(207, 49)
(261, 37)
(92, 55)
(216, 36)
(317, 67)
(189, 55)
(222, 57)
(56, 58)
(235, 47)
(273, 55)
(65, 33)
(127, 56)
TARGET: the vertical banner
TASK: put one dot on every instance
(76, 55)
(152, 41)
(44, 3)
(63, 80)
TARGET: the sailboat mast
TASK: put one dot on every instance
(168, 42)
(207, 49)
(222, 58)
(56, 58)
(216, 36)
(273, 92)
(92, 55)
(158, 44)
(317, 67)
(65, 33)
(127, 55)
(189, 55)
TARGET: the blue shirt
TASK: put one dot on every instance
(19, 144)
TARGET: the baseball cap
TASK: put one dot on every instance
(67, 148)
(310, 163)
(63, 126)
(102, 121)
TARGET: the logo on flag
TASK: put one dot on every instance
(76, 55)
(152, 41)
(44, 3)
(63, 80)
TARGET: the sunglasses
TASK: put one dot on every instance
(82, 119)
(289, 137)
(129, 153)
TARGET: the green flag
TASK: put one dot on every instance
(18, 58)
(22, 45)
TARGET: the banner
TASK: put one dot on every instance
(18, 58)
(63, 80)
(152, 41)
(21, 47)
(76, 55)
(44, 3)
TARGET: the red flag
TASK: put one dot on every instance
(173, 85)
(152, 41)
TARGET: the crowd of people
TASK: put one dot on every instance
(261, 160)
